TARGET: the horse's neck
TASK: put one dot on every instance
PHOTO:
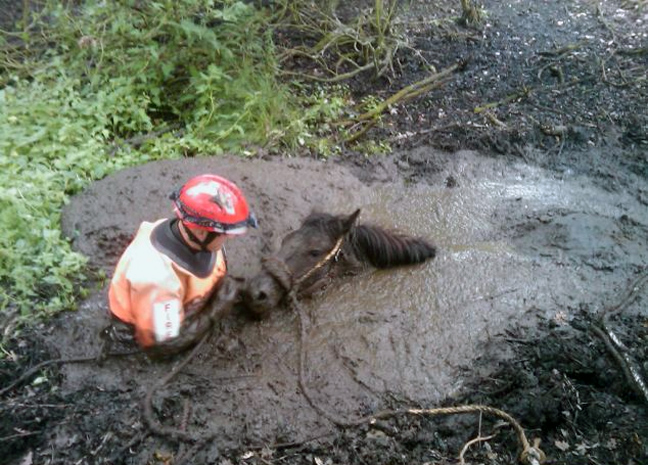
(349, 259)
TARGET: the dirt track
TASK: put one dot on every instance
(553, 205)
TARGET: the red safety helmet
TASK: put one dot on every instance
(213, 203)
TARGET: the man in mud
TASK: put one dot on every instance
(170, 285)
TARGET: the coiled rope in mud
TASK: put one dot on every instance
(531, 454)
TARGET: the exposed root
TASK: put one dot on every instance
(371, 42)
(613, 344)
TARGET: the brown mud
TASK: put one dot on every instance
(539, 208)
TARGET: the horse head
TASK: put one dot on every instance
(326, 246)
(304, 262)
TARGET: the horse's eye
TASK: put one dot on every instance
(314, 253)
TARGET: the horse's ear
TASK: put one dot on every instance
(350, 220)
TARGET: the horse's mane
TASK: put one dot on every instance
(373, 244)
(384, 249)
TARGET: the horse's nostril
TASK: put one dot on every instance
(262, 296)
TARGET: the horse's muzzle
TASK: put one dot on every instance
(262, 294)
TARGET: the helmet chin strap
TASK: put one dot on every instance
(211, 235)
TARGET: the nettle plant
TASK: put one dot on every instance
(88, 89)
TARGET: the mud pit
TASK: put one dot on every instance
(537, 233)
(517, 245)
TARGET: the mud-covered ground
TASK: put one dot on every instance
(554, 192)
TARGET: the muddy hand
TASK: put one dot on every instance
(225, 298)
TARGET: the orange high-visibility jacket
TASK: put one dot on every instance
(155, 294)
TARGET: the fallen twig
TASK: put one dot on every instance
(517, 95)
(410, 91)
(493, 119)
(135, 440)
(19, 435)
(106, 437)
(369, 119)
(471, 15)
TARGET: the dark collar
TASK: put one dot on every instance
(166, 239)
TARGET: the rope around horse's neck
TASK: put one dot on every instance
(278, 269)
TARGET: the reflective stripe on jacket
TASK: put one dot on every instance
(153, 293)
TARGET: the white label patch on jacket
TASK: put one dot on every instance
(166, 320)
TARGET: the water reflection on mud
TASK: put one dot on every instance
(406, 331)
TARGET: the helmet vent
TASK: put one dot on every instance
(224, 201)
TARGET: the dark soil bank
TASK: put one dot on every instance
(529, 170)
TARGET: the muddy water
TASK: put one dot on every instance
(407, 331)
(515, 244)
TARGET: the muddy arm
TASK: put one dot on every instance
(197, 325)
